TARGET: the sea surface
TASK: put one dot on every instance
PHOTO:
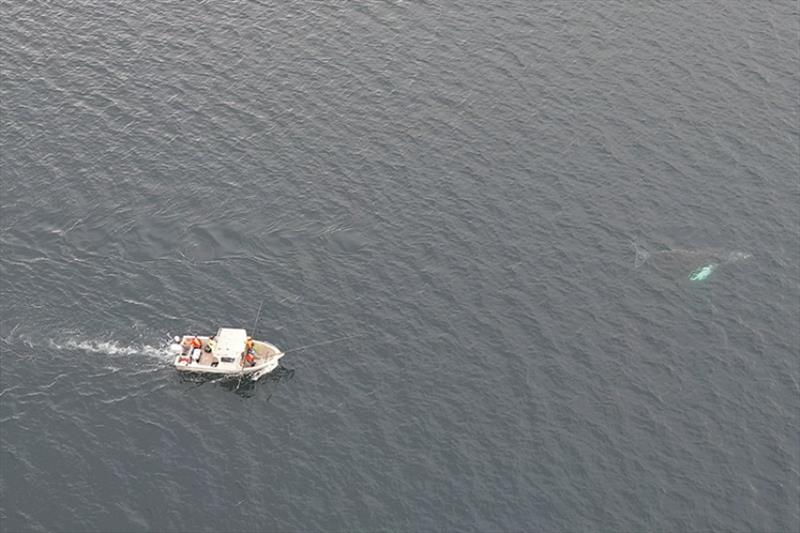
(492, 208)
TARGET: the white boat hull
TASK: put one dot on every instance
(264, 368)
(226, 357)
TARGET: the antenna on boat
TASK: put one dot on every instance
(255, 324)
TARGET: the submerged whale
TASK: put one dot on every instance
(697, 264)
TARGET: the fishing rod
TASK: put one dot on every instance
(321, 343)
(252, 335)
(255, 324)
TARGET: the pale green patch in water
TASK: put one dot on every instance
(703, 272)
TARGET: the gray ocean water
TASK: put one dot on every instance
(462, 189)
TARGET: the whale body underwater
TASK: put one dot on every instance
(697, 264)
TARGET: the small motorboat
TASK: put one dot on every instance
(230, 352)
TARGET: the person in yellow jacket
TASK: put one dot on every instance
(211, 344)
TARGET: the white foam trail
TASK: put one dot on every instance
(112, 348)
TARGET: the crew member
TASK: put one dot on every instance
(210, 344)
(197, 345)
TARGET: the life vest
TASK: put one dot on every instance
(249, 358)
(197, 343)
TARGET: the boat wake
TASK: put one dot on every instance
(113, 348)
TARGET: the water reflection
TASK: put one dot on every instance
(241, 385)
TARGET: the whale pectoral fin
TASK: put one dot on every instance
(703, 272)
(641, 255)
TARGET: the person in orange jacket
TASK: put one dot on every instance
(249, 352)
(195, 351)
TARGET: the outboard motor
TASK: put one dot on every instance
(176, 348)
